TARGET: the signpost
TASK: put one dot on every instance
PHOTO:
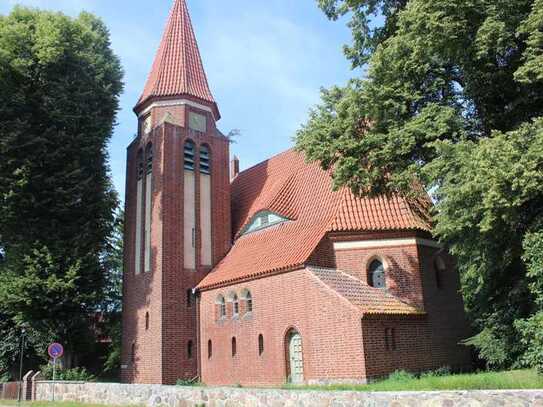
(55, 350)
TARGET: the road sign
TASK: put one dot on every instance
(55, 350)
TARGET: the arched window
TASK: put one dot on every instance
(209, 349)
(234, 346)
(206, 245)
(439, 268)
(376, 274)
(189, 206)
(139, 211)
(235, 305)
(260, 344)
(188, 154)
(146, 321)
(205, 160)
(189, 350)
(148, 205)
(221, 304)
(249, 301)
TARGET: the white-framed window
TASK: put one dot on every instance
(263, 220)
(376, 274)
(235, 305)
(221, 305)
(247, 298)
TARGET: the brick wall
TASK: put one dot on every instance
(329, 326)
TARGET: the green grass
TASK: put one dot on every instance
(401, 381)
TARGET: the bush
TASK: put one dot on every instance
(188, 382)
(78, 374)
(531, 335)
(400, 376)
(442, 371)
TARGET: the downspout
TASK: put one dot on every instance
(196, 294)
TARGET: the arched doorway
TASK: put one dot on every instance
(295, 359)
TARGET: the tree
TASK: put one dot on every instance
(112, 304)
(453, 98)
(60, 86)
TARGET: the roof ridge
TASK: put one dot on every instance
(254, 166)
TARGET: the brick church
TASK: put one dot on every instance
(267, 276)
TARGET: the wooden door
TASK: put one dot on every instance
(296, 361)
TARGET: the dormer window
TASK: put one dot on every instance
(263, 220)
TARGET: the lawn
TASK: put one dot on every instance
(401, 381)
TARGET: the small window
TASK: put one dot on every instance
(439, 268)
(189, 298)
(235, 302)
(376, 276)
(249, 301)
(263, 220)
(146, 321)
(209, 349)
(260, 344)
(133, 353)
(205, 162)
(234, 347)
(390, 339)
(189, 350)
(188, 154)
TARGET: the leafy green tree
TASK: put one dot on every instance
(112, 304)
(453, 98)
(60, 86)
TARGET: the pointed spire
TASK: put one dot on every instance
(178, 69)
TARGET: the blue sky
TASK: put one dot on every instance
(266, 61)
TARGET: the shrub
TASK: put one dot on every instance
(78, 374)
(188, 382)
(439, 372)
(400, 376)
(531, 335)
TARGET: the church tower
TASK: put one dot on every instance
(177, 210)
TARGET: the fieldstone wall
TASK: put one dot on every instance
(177, 396)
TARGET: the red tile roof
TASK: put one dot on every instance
(301, 192)
(368, 299)
(177, 69)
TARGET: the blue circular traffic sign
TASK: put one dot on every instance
(55, 350)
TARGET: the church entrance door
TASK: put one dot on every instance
(295, 357)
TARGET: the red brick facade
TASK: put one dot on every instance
(308, 274)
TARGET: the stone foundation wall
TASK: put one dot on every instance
(176, 396)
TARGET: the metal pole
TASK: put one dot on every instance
(54, 375)
(19, 396)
